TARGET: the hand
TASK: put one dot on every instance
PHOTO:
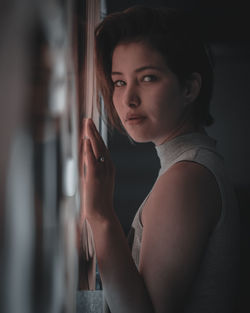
(97, 176)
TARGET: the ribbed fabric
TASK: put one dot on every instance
(215, 287)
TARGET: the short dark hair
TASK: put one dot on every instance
(173, 33)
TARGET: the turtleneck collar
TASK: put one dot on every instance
(170, 150)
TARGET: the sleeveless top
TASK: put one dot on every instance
(216, 283)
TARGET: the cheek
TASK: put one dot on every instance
(161, 99)
(115, 97)
(170, 96)
(116, 104)
(167, 103)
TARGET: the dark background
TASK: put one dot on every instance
(226, 28)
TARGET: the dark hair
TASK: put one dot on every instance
(173, 33)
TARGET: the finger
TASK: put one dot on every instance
(96, 140)
(81, 152)
(97, 135)
(83, 128)
(89, 156)
(81, 144)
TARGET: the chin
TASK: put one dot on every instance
(140, 139)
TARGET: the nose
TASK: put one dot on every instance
(131, 96)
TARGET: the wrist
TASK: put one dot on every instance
(102, 219)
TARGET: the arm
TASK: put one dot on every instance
(123, 285)
(178, 218)
(86, 257)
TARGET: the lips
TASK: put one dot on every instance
(134, 118)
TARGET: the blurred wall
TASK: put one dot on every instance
(39, 157)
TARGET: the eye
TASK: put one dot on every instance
(149, 78)
(119, 83)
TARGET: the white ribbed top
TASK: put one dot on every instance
(215, 287)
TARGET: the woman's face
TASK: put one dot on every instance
(148, 97)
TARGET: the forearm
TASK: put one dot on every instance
(86, 257)
(123, 285)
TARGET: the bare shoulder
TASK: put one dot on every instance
(187, 188)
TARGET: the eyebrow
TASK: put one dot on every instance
(141, 69)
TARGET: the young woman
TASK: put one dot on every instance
(155, 76)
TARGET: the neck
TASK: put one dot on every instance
(185, 127)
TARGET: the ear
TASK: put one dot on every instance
(193, 87)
